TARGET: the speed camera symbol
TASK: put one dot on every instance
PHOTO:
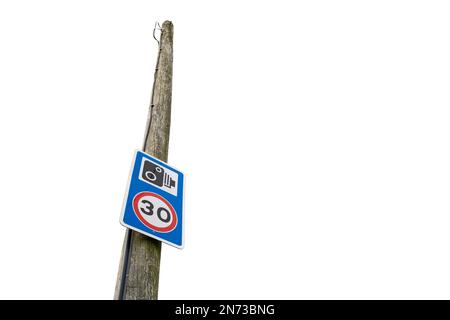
(157, 175)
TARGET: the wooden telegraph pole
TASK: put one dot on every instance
(138, 275)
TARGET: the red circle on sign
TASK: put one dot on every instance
(170, 227)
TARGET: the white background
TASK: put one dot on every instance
(314, 136)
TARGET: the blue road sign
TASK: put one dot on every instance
(154, 201)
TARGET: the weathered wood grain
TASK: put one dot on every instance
(142, 273)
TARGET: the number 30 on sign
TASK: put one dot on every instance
(155, 212)
(154, 201)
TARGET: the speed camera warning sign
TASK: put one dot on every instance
(154, 201)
